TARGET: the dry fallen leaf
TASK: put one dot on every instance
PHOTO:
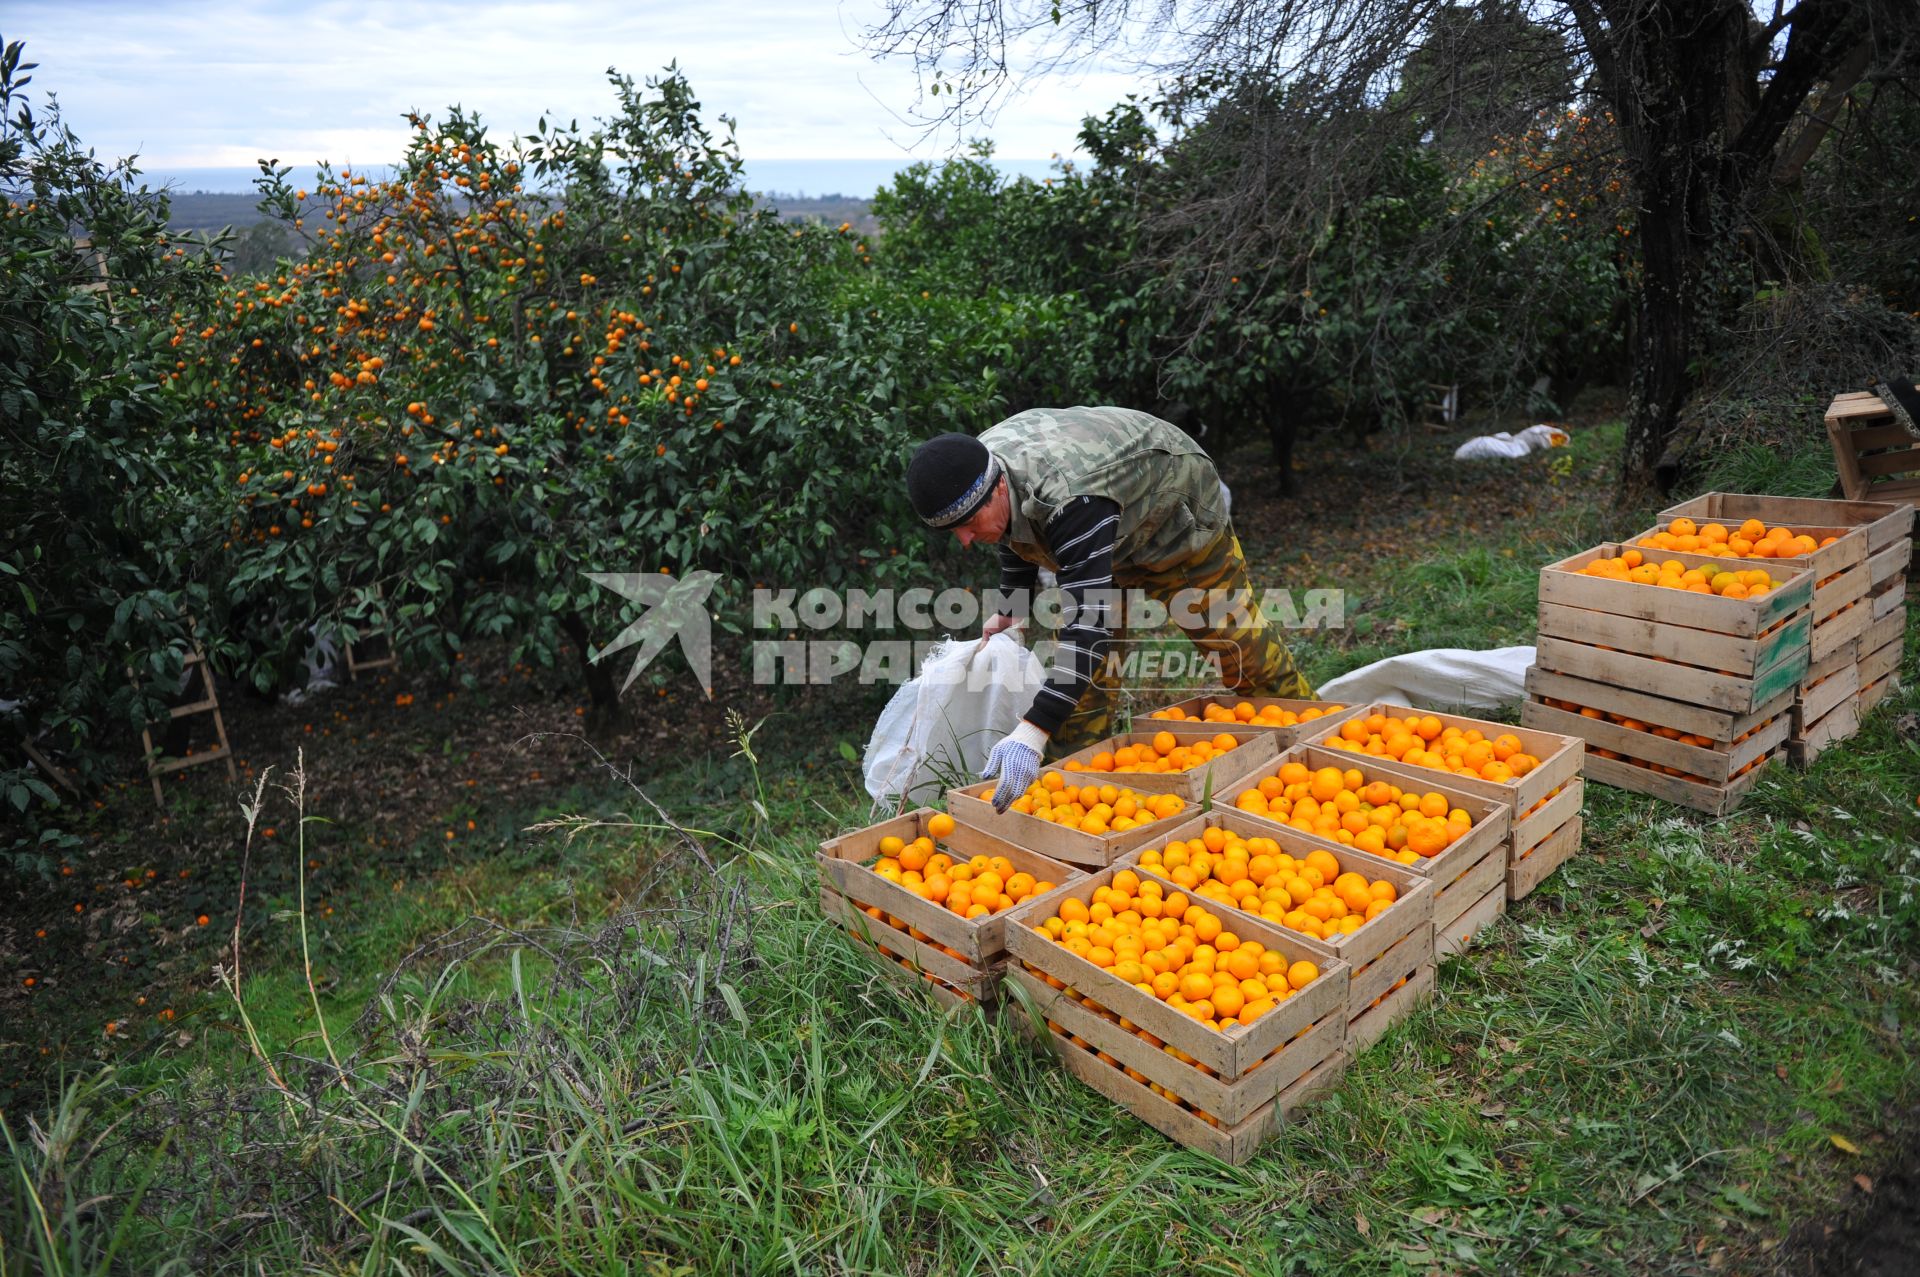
(1366, 1229)
(1844, 1144)
(1864, 1183)
(1780, 1071)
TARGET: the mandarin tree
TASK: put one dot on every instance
(96, 532)
(508, 365)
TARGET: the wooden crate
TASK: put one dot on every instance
(1873, 693)
(1731, 654)
(1233, 1144)
(916, 931)
(1838, 725)
(1382, 956)
(1539, 861)
(1540, 802)
(1232, 1073)
(1401, 1000)
(1849, 549)
(1883, 522)
(1715, 764)
(909, 962)
(1056, 842)
(1459, 934)
(1877, 460)
(1461, 873)
(1332, 713)
(1255, 749)
(1711, 778)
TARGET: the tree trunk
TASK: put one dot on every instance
(1673, 88)
(603, 690)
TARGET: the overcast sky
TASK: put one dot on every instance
(201, 85)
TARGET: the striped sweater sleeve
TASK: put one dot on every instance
(1081, 537)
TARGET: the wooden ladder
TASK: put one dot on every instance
(208, 704)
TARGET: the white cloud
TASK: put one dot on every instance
(200, 85)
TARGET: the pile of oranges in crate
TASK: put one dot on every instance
(1373, 816)
(1313, 895)
(1174, 949)
(1090, 808)
(1671, 574)
(1244, 712)
(1673, 734)
(1751, 540)
(1163, 753)
(1425, 742)
(973, 888)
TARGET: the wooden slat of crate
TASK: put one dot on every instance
(1057, 842)
(1231, 1102)
(1538, 864)
(1877, 664)
(1559, 757)
(1332, 713)
(1849, 549)
(1231, 1055)
(1858, 429)
(1890, 565)
(1457, 935)
(1683, 716)
(842, 865)
(1873, 693)
(1714, 800)
(897, 944)
(1732, 693)
(1413, 906)
(1891, 628)
(1840, 724)
(1716, 764)
(1563, 583)
(1394, 1007)
(1235, 1145)
(1843, 627)
(1677, 644)
(1254, 751)
(1817, 701)
(1885, 604)
(1847, 654)
(1542, 824)
(1830, 595)
(1460, 895)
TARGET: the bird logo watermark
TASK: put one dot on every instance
(677, 610)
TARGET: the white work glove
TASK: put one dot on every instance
(1015, 763)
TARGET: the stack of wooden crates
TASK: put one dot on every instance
(1859, 603)
(1683, 696)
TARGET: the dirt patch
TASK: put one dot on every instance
(1877, 1231)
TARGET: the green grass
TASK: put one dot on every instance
(1642, 1068)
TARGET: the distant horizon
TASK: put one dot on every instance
(795, 179)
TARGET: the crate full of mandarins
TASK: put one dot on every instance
(1208, 1024)
(930, 897)
(1537, 773)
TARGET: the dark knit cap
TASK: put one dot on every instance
(950, 478)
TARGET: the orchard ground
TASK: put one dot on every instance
(1690, 1051)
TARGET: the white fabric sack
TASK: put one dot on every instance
(1532, 439)
(1442, 678)
(940, 726)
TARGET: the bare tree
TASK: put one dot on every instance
(1711, 100)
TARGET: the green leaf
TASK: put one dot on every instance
(849, 753)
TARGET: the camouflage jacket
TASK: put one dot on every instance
(1170, 498)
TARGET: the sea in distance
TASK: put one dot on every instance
(801, 179)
